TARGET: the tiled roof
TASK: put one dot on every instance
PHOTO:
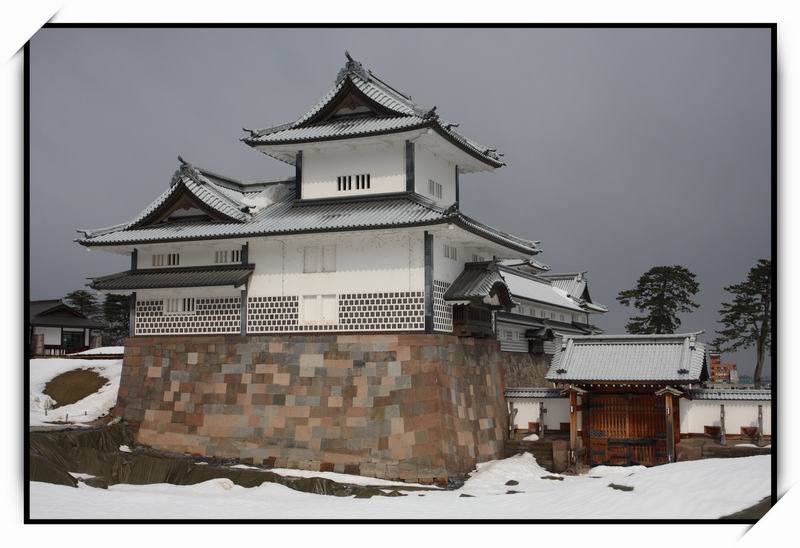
(476, 281)
(400, 113)
(337, 129)
(678, 358)
(156, 278)
(55, 312)
(729, 394)
(575, 285)
(530, 287)
(534, 393)
(38, 307)
(559, 327)
(572, 283)
(186, 178)
(286, 216)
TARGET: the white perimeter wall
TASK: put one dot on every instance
(695, 414)
(384, 163)
(557, 412)
(365, 262)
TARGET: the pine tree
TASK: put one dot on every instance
(84, 302)
(662, 293)
(116, 315)
(746, 319)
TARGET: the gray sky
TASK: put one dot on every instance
(626, 148)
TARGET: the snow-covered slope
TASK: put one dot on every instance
(101, 350)
(86, 410)
(684, 490)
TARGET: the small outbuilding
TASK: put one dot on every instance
(55, 328)
(623, 394)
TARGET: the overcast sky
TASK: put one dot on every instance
(626, 148)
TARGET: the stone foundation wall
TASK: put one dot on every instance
(523, 370)
(416, 407)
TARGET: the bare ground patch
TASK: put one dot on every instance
(72, 386)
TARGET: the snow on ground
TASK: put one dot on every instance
(685, 490)
(531, 437)
(342, 478)
(603, 471)
(86, 410)
(333, 476)
(101, 350)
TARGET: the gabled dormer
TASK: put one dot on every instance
(190, 197)
(365, 137)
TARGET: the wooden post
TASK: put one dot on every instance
(722, 440)
(670, 431)
(760, 436)
(512, 415)
(573, 427)
(541, 419)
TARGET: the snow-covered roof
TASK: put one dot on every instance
(729, 394)
(537, 289)
(478, 281)
(575, 284)
(536, 393)
(479, 278)
(270, 209)
(387, 111)
(678, 358)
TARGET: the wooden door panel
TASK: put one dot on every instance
(623, 429)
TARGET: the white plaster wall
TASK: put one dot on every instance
(181, 292)
(517, 343)
(52, 335)
(192, 254)
(534, 309)
(376, 261)
(444, 269)
(385, 163)
(557, 412)
(429, 166)
(695, 414)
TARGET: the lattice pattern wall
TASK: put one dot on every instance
(272, 314)
(212, 315)
(442, 312)
(389, 311)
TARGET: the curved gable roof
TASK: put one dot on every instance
(392, 111)
(188, 182)
(479, 281)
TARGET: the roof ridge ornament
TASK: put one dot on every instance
(352, 67)
(185, 170)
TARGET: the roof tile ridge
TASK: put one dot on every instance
(195, 175)
(531, 243)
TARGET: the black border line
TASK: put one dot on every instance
(774, 248)
(774, 253)
(26, 269)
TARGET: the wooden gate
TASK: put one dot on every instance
(625, 429)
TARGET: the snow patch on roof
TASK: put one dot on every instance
(267, 197)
